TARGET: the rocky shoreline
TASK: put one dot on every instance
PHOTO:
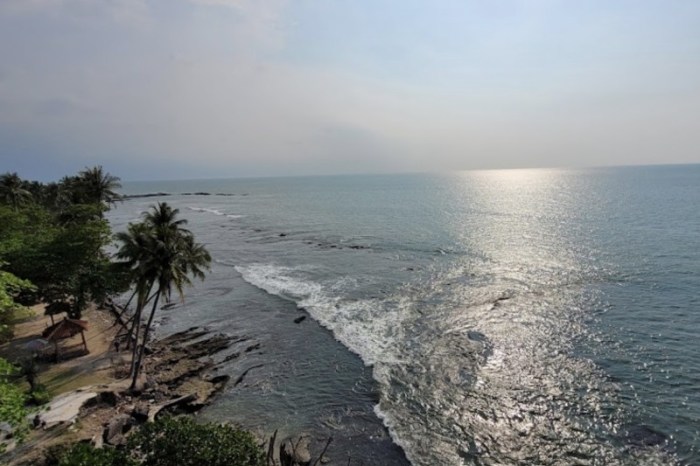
(179, 378)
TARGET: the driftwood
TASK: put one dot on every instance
(183, 400)
(330, 439)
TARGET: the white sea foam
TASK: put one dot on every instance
(368, 327)
(234, 216)
(205, 209)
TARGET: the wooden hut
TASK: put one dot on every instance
(67, 328)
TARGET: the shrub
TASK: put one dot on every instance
(83, 454)
(40, 395)
(183, 442)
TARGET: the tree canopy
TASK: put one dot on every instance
(54, 235)
(160, 254)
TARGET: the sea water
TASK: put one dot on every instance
(485, 317)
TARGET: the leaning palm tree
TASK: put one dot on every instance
(12, 190)
(162, 255)
(96, 186)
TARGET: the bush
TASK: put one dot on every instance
(12, 401)
(183, 442)
(40, 395)
(83, 454)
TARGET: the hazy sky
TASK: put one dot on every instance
(220, 88)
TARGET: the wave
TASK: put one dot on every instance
(205, 209)
(367, 327)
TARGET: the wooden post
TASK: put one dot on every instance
(82, 334)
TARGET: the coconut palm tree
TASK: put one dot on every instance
(12, 190)
(162, 255)
(96, 186)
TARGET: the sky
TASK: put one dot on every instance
(174, 89)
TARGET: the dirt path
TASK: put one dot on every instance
(96, 367)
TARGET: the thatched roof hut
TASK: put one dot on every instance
(67, 328)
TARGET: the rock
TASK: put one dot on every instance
(141, 384)
(140, 412)
(295, 452)
(298, 320)
(109, 397)
(113, 433)
(65, 408)
(252, 347)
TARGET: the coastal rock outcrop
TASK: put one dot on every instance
(295, 452)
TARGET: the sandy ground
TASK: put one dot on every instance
(96, 367)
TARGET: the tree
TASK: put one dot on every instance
(183, 442)
(12, 191)
(161, 254)
(10, 287)
(168, 442)
(94, 186)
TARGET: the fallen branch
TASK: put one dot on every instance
(153, 412)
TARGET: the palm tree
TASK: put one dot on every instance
(162, 254)
(97, 187)
(12, 190)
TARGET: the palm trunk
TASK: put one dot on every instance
(134, 321)
(137, 367)
(130, 298)
(136, 329)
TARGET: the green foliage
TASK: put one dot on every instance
(10, 287)
(12, 191)
(40, 395)
(183, 442)
(62, 254)
(168, 442)
(84, 454)
(159, 253)
(12, 401)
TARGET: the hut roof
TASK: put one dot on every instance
(65, 329)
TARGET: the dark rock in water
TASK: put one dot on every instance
(219, 379)
(299, 319)
(295, 452)
(644, 436)
(136, 196)
(252, 347)
(476, 336)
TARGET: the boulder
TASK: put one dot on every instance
(113, 433)
(295, 452)
(65, 408)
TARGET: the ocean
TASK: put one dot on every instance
(498, 317)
